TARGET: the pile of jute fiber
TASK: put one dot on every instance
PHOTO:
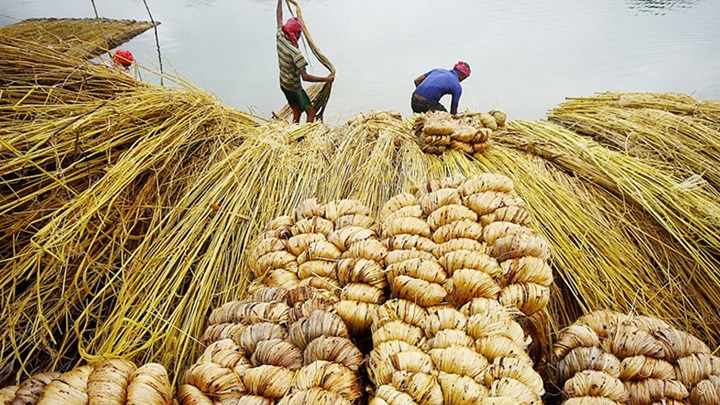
(128, 212)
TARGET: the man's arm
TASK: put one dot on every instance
(455, 101)
(419, 80)
(310, 78)
(279, 14)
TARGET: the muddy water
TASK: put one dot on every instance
(526, 55)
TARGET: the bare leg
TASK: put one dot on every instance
(310, 114)
(296, 113)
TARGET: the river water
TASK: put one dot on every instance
(526, 55)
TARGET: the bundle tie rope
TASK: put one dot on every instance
(319, 99)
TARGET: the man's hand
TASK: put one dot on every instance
(315, 79)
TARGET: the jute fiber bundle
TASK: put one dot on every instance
(7, 394)
(448, 356)
(378, 119)
(114, 381)
(331, 246)
(483, 241)
(438, 131)
(399, 367)
(424, 347)
(412, 269)
(285, 346)
(654, 362)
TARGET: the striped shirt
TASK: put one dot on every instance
(291, 61)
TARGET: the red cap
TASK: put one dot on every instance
(292, 27)
(123, 57)
(462, 67)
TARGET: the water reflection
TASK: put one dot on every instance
(527, 55)
(203, 3)
(661, 7)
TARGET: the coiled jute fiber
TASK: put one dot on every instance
(609, 357)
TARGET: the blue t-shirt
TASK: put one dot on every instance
(439, 82)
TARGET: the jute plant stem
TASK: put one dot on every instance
(90, 237)
(687, 215)
(77, 37)
(678, 136)
(382, 150)
(196, 253)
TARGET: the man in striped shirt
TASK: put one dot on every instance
(293, 66)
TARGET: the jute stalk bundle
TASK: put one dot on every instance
(634, 360)
(104, 215)
(707, 112)
(377, 146)
(33, 76)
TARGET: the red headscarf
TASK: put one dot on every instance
(123, 57)
(463, 68)
(292, 28)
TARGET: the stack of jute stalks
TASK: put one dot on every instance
(79, 37)
(113, 381)
(281, 346)
(31, 77)
(439, 131)
(669, 128)
(610, 358)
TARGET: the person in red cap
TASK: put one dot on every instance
(124, 58)
(293, 67)
(433, 85)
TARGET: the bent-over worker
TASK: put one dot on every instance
(433, 85)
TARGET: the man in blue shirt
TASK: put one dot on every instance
(433, 85)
